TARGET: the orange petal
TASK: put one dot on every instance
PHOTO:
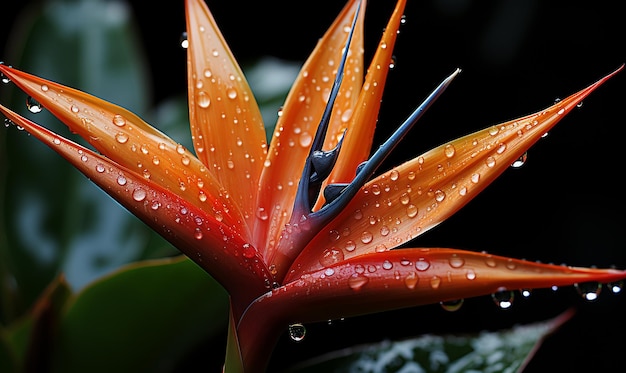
(215, 246)
(129, 141)
(226, 124)
(405, 202)
(396, 279)
(357, 144)
(298, 122)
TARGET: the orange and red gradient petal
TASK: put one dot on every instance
(401, 278)
(299, 119)
(130, 142)
(357, 143)
(215, 246)
(226, 124)
(405, 202)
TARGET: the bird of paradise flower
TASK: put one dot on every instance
(302, 229)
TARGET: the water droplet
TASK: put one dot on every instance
(74, 109)
(411, 280)
(520, 161)
(394, 175)
(387, 265)
(5, 79)
(411, 211)
(56, 141)
(350, 246)
(449, 151)
(456, 261)
(357, 282)
(99, 168)
(440, 196)
(490, 162)
(435, 281)
(503, 298)
(297, 332)
(305, 139)
(366, 237)
(198, 234)
(329, 272)
(203, 100)
(331, 256)
(184, 41)
(119, 120)
(470, 275)
(121, 180)
(475, 178)
(561, 111)
(121, 137)
(139, 194)
(525, 292)
(261, 213)
(615, 287)
(232, 93)
(33, 106)
(422, 264)
(589, 290)
(452, 305)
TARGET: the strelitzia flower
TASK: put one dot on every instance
(304, 228)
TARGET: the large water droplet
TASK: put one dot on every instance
(411, 280)
(503, 298)
(452, 305)
(184, 42)
(297, 332)
(520, 161)
(139, 194)
(422, 264)
(615, 287)
(119, 120)
(203, 100)
(449, 151)
(33, 106)
(589, 290)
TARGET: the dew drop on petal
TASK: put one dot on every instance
(422, 264)
(297, 332)
(411, 211)
(119, 120)
(100, 168)
(203, 100)
(456, 261)
(121, 137)
(435, 281)
(449, 151)
(411, 280)
(139, 194)
(121, 180)
(366, 237)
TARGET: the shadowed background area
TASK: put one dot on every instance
(563, 206)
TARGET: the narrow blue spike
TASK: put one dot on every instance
(309, 188)
(367, 169)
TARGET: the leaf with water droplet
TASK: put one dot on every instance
(507, 350)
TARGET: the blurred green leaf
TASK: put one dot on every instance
(54, 219)
(142, 318)
(504, 351)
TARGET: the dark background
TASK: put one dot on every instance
(564, 206)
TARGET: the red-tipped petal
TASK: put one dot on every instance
(127, 140)
(399, 278)
(215, 246)
(300, 116)
(405, 202)
(226, 124)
